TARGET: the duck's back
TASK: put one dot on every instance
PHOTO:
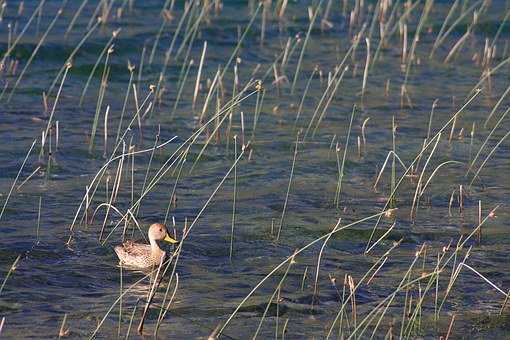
(135, 254)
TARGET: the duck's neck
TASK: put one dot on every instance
(155, 249)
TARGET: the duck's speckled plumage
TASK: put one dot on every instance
(138, 255)
(141, 255)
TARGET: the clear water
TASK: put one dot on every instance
(83, 280)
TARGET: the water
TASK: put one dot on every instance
(82, 280)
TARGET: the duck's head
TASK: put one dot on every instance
(158, 232)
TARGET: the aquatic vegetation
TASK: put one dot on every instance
(331, 169)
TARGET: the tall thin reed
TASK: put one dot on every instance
(288, 187)
(305, 43)
(16, 178)
(234, 199)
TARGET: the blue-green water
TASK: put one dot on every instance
(82, 280)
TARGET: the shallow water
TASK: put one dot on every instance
(82, 280)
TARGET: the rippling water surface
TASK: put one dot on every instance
(63, 272)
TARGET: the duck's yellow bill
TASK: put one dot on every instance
(170, 240)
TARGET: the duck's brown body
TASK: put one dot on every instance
(141, 255)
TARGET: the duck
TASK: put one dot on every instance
(142, 256)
